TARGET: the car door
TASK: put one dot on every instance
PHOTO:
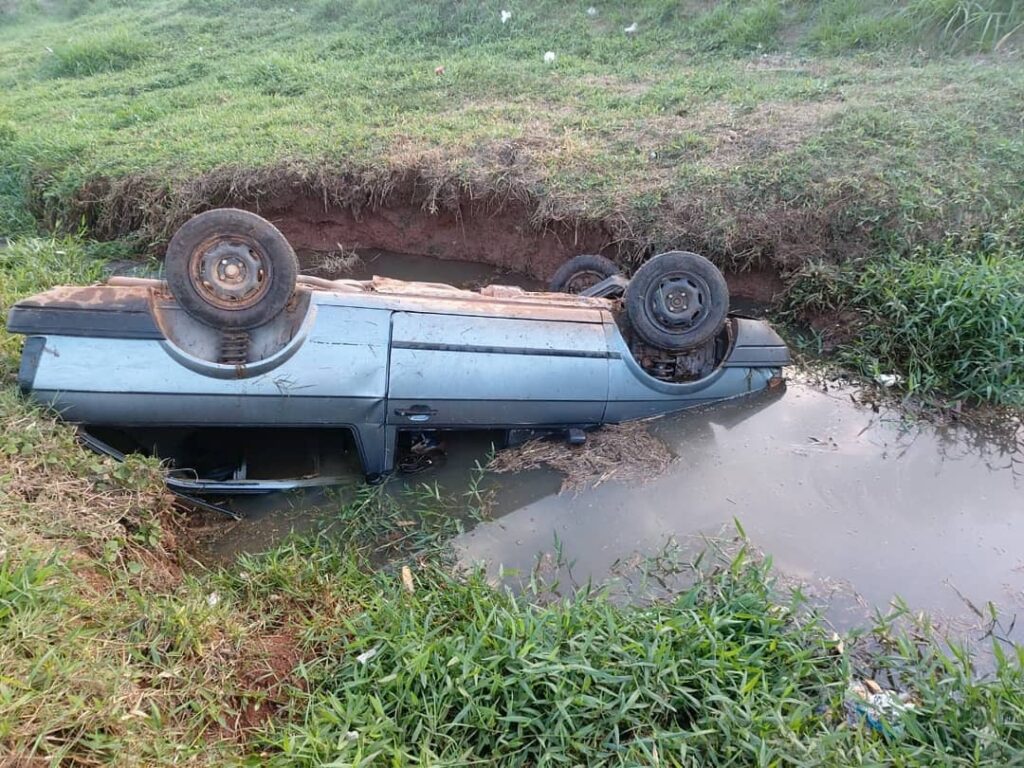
(455, 370)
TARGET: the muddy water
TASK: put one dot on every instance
(266, 520)
(401, 266)
(845, 499)
(854, 502)
(855, 505)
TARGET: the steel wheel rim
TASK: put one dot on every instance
(582, 280)
(678, 302)
(230, 272)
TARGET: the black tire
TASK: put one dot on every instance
(677, 300)
(231, 269)
(582, 272)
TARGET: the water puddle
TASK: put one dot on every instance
(848, 501)
(364, 264)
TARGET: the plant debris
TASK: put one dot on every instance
(623, 452)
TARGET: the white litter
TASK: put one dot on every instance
(591, 11)
(365, 656)
(888, 380)
(630, 29)
(549, 57)
(213, 599)
(505, 16)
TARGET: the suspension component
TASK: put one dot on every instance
(234, 347)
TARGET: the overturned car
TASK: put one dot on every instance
(235, 338)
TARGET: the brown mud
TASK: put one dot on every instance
(500, 219)
(502, 239)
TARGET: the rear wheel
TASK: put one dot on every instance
(677, 300)
(582, 272)
(231, 269)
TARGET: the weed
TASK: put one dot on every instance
(278, 77)
(843, 25)
(976, 24)
(7, 134)
(107, 52)
(456, 673)
(949, 318)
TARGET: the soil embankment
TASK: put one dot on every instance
(504, 238)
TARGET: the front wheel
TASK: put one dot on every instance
(677, 300)
(231, 269)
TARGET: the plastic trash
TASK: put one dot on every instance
(505, 16)
(866, 702)
(365, 656)
(549, 57)
(591, 11)
(888, 380)
(631, 29)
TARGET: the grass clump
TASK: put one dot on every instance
(949, 318)
(278, 76)
(974, 24)
(446, 670)
(742, 26)
(105, 52)
(945, 26)
(458, 673)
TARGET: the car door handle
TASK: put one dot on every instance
(418, 413)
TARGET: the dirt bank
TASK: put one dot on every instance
(503, 238)
(417, 211)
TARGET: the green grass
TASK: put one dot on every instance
(948, 318)
(106, 52)
(463, 674)
(678, 135)
(456, 673)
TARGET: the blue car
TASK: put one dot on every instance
(235, 338)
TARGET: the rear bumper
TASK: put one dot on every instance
(757, 345)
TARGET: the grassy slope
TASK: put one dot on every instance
(684, 129)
